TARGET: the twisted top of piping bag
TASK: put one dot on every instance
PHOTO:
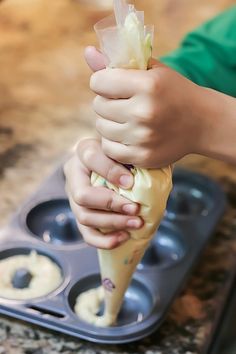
(124, 39)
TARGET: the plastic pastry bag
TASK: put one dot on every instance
(127, 43)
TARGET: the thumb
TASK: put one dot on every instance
(94, 58)
(154, 63)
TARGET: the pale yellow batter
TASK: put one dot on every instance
(88, 305)
(46, 276)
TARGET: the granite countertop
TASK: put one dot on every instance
(45, 108)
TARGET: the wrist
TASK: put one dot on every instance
(217, 117)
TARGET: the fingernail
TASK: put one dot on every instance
(134, 223)
(123, 237)
(126, 181)
(129, 208)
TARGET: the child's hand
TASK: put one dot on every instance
(152, 118)
(98, 207)
(147, 118)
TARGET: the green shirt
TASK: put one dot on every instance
(207, 56)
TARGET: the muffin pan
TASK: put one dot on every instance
(46, 224)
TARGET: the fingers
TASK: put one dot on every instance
(123, 153)
(102, 198)
(138, 156)
(113, 131)
(79, 189)
(77, 177)
(114, 110)
(118, 83)
(87, 218)
(93, 157)
(94, 58)
(106, 220)
(97, 239)
(121, 133)
(98, 207)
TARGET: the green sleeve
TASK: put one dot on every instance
(207, 56)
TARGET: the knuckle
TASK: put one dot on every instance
(152, 83)
(110, 203)
(69, 167)
(146, 112)
(110, 243)
(147, 135)
(142, 158)
(105, 148)
(118, 222)
(119, 157)
(89, 242)
(145, 155)
(93, 82)
(83, 218)
(107, 151)
(84, 144)
(150, 112)
(95, 104)
(111, 173)
(89, 153)
(86, 239)
(80, 197)
(98, 125)
(116, 155)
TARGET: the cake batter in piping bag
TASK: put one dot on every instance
(127, 43)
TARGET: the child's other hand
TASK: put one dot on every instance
(147, 118)
(99, 207)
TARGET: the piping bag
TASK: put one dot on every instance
(127, 43)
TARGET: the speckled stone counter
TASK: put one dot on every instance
(45, 108)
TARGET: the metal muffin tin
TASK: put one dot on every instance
(45, 223)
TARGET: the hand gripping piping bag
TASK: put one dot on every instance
(127, 43)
